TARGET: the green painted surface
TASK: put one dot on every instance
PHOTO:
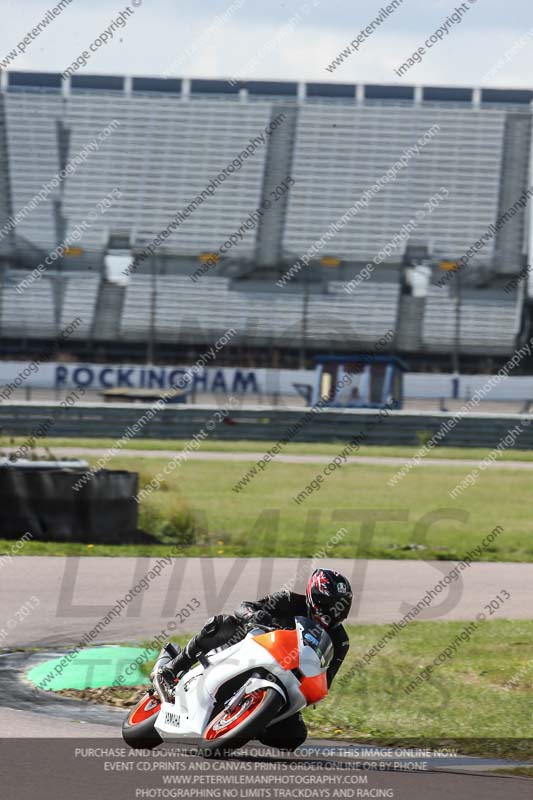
(92, 668)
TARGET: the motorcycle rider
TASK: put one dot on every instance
(327, 601)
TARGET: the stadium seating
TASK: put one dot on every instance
(79, 301)
(366, 315)
(6, 243)
(162, 141)
(33, 161)
(170, 139)
(489, 322)
(188, 311)
(29, 314)
(48, 305)
(161, 155)
(340, 153)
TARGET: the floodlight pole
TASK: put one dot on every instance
(457, 332)
(305, 313)
(150, 350)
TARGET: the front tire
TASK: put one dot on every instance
(138, 728)
(229, 730)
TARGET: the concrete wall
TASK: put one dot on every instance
(139, 421)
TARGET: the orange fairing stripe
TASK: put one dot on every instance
(282, 645)
(140, 714)
(315, 688)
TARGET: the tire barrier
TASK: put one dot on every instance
(43, 502)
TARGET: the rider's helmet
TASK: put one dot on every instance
(329, 597)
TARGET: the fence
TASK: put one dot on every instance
(257, 424)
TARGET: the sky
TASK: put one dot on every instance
(492, 45)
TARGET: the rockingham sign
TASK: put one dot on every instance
(101, 377)
(238, 380)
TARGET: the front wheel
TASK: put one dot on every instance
(138, 728)
(229, 730)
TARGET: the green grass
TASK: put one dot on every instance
(465, 706)
(466, 699)
(525, 772)
(196, 507)
(296, 448)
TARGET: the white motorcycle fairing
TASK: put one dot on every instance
(195, 694)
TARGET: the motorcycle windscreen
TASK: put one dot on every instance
(285, 648)
(317, 638)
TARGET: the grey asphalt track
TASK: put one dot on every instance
(64, 748)
(38, 746)
(91, 763)
(74, 594)
(292, 458)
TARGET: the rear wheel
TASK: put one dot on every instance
(138, 728)
(229, 730)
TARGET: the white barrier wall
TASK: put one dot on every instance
(99, 377)
(423, 385)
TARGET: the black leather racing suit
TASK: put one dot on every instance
(226, 629)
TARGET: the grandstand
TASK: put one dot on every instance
(487, 323)
(161, 142)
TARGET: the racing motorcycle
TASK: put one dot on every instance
(235, 692)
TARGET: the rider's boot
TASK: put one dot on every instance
(182, 662)
(216, 632)
(162, 659)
